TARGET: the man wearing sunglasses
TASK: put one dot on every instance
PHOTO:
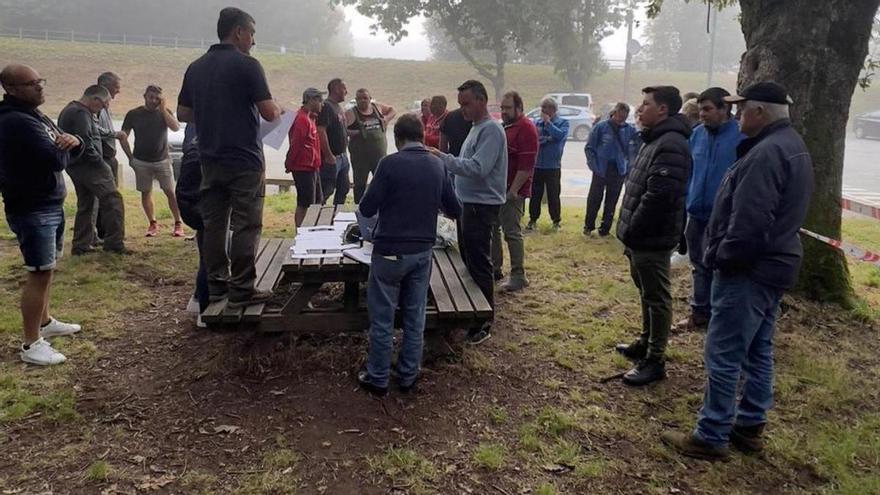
(92, 177)
(33, 152)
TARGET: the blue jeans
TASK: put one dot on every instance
(394, 280)
(739, 342)
(695, 234)
(40, 235)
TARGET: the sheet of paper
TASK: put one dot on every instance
(362, 254)
(313, 256)
(274, 133)
(345, 216)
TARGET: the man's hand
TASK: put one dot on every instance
(512, 196)
(328, 160)
(121, 136)
(66, 142)
(161, 103)
(545, 117)
(434, 151)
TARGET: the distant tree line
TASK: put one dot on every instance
(314, 25)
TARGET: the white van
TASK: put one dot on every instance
(583, 100)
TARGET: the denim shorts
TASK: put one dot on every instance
(40, 235)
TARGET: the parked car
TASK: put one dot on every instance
(580, 120)
(495, 111)
(175, 148)
(584, 100)
(867, 125)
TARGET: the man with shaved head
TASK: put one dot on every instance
(33, 152)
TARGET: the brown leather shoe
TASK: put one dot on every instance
(692, 323)
(748, 439)
(686, 444)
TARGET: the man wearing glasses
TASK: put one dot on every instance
(33, 152)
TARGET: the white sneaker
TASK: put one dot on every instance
(55, 328)
(192, 306)
(41, 353)
(200, 323)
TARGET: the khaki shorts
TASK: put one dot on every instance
(146, 172)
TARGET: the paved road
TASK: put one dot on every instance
(861, 175)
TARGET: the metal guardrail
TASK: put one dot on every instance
(127, 39)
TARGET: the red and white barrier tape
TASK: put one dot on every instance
(854, 205)
(848, 249)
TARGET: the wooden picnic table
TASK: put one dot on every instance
(455, 300)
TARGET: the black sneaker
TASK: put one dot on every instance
(634, 352)
(477, 336)
(364, 382)
(588, 232)
(646, 371)
(603, 233)
(256, 297)
(81, 252)
(530, 227)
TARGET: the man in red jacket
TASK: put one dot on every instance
(304, 155)
(522, 150)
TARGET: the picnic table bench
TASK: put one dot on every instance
(454, 299)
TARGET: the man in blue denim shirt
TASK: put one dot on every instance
(755, 249)
(33, 152)
(409, 189)
(713, 148)
(552, 134)
(608, 154)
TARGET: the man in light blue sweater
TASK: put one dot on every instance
(481, 184)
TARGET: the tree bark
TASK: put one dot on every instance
(816, 49)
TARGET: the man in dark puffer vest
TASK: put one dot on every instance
(651, 224)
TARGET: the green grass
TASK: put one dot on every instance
(98, 471)
(405, 467)
(490, 456)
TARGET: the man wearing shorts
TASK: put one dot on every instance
(304, 156)
(33, 152)
(150, 159)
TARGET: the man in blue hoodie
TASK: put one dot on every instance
(608, 155)
(33, 152)
(713, 148)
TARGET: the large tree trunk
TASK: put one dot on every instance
(816, 49)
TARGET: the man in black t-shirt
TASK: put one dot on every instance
(334, 141)
(150, 159)
(225, 92)
(453, 131)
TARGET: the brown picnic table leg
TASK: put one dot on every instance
(300, 300)
(351, 296)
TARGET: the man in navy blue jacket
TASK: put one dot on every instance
(33, 152)
(608, 155)
(409, 189)
(754, 248)
(713, 148)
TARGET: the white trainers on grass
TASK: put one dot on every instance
(192, 306)
(56, 328)
(41, 353)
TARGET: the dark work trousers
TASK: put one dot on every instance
(114, 167)
(609, 187)
(231, 195)
(550, 179)
(95, 187)
(478, 222)
(650, 273)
